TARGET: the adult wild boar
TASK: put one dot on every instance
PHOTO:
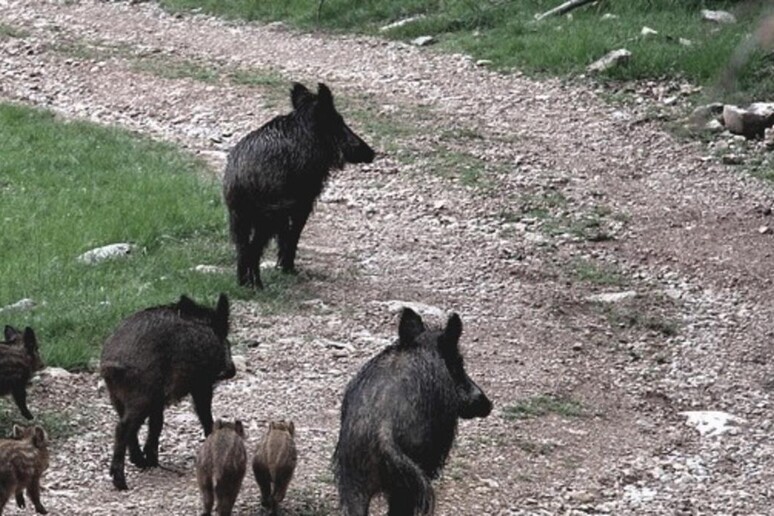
(399, 419)
(275, 174)
(156, 357)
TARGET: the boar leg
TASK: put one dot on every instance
(20, 397)
(202, 399)
(206, 489)
(263, 479)
(155, 423)
(241, 230)
(354, 503)
(20, 498)
(288, 245)
(34, 493)
(127, 427)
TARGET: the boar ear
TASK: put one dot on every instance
(17, 432)
(10, 333)
(451, 335)
(292, 428)
(410, 326)
(220, 324)
(324, 95)
(299, 94)
(30, 341)
(39, 437)
(186, 304)
(239, 427)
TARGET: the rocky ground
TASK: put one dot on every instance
(511, 201)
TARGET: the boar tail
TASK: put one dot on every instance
(404, 474)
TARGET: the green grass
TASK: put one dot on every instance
(57, 424)
(69, 187)
(9, 31)
(543, 405)
(596, 273)
(505, 32)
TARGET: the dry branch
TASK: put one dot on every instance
(564, 8)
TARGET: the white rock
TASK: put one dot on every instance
(240, 363)
(647, 31)
(209, 269)
(718, 16)
(714, 126)
(22, 304)
(483, 62)
(685, 42)
(710, 422)
(56, 372)
(612, 297)
(423, 41)
(750, 122)
(764, 229)
(107, 252)
(609, 16)
(401, 23)
(610, 60)
(395, 306)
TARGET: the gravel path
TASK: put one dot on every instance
(572, 182)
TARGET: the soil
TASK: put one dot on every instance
(588, 394)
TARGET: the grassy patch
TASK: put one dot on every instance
(9, 31)
(506, 33)
(57, 424)
(177, 69)
(70, 187)
(625, 316)
(543, 405)
(598, 274)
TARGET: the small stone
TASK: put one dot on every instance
(240, 363)
(609, 16)
(714, 126)
(722, 17)
(22, 304)
(612, 297)
(423, 41)
(578, 346)
(647, 32)
(763, 230)
(395, 306)
(209, 269)
(732, 159)
(108, 252)
(483, 62)
(610, 60)
(56, 372)
(685, 42)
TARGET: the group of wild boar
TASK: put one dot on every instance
(399, 414)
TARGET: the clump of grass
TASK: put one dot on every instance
(9, 31)
(58, 425)
(596, 273)
(628, 316)
(543, 405)
(68, 187)
(177, 69)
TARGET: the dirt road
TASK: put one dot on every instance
(508, 200)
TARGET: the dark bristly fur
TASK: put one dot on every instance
(23, 460)
(220, 467)
(399, 419)
(274, 463)
(275, 174)
(156, 357)
(19, 359)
